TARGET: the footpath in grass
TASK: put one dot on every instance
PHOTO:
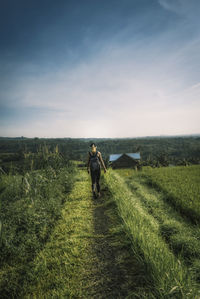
(89, 254)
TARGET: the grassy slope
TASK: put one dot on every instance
(170, 276)
(29, 209)
(94, 253)
(181, 185)
(181, 235)
(89, 254)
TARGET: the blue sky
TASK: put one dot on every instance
(97, 68)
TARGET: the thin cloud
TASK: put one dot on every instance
(189, 9)
(195, 86)
(177, 6)
(138, 82)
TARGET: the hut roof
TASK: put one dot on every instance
(114, 157)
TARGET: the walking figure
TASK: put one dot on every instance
(94, 168)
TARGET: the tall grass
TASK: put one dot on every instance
(30, 206)
(169, 276)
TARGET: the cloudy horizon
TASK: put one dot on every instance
(99, 68)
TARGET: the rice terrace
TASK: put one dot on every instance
(139, 239)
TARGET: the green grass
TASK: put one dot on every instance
(89, 254)
(182, 237)
(59, 269)
(181, 185)
(130, 243)
(30, 206)
(169, 275)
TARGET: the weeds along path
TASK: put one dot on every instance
(89, 254)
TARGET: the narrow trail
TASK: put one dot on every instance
(89, 254)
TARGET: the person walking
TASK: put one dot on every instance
(94, 164)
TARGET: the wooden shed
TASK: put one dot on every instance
(125, 160)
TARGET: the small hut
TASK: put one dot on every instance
(125, 160)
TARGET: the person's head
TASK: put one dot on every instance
(93, 147)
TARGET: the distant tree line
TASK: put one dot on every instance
(155, 151)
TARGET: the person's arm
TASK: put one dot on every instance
(102, 163)
(88, 163)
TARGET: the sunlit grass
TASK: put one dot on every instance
(59, 269)
(30, 207)
(116, 246)
(168, 274)
(181, 185)
(182, 236)
(89, 254)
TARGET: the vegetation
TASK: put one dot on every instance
(88, 254)
(30, 206)
(155, 151)
(181, 186)
(169, 275)
(139, 240)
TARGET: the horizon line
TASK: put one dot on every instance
(126, 137)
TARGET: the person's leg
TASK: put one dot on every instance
(98, 180)
(93, 177)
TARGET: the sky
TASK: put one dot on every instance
(99, 68)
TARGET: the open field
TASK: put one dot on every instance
(175, 225)
(181, 186)
(133, 242)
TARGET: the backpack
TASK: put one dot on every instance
(94, 162)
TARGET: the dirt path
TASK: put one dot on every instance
(115, 273)
(89, 255)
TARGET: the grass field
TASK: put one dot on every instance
(175, 227)
(31, 204)
(181, 186)
(88, 255)
(133, 242)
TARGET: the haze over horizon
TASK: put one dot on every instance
(99, 68)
